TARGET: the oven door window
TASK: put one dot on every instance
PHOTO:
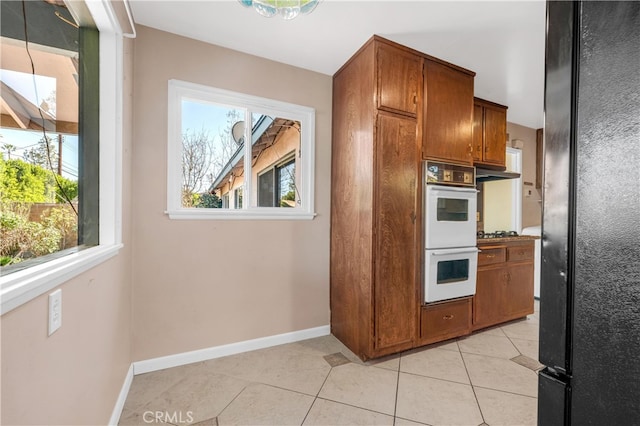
(452, 271)
(452, 210)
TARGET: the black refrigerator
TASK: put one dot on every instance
(590, 271)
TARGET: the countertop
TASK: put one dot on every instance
(507, 239)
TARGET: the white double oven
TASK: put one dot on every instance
(451, 255)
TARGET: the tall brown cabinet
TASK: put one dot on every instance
(376, 215)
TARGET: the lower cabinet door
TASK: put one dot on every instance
(396, 238)
(489, 300)
(519, 300)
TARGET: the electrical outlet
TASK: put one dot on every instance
(55, 311)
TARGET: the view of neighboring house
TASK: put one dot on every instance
(275, 151)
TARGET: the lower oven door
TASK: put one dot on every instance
(450, 273)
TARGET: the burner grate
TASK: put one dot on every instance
(497, 234)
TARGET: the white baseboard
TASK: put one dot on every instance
(122, 397)
(154, 364)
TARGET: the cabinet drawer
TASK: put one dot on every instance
(517, 253)
(491, 255)
(445, 320)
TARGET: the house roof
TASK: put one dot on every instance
(55, 57)
(263, 135)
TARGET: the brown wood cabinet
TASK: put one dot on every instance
(489, 134)
(399, 77)
(445, 320)
(504, 287)
(374, 199)
(377, 150)
(448, 113)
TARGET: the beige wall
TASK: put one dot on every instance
(498, 205)
(203, 283)
(75, 375)
(497, 194)
(531, 207)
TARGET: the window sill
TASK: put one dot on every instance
(22, 286)
(201, 214)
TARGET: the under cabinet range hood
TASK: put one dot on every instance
(486, 175)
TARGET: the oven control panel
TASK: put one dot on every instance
(449, 174)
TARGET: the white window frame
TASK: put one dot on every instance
(177, 90)
(22, 286)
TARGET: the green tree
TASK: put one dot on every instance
(196, 161)
(24, 182)
(44, 155)
(209, 201)
(9, 148)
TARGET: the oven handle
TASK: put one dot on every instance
(454, 251)
(435, 188)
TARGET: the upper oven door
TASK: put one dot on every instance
(450, 217)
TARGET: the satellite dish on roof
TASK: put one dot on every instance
(237, 132)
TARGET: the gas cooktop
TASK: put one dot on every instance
(497, 234)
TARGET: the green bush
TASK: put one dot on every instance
(21, 239)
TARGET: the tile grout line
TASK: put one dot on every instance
(234, 398)
(437, 378)
(356, 406)
(504, 391)
(473, 389)
(315, 398)
(395, 405)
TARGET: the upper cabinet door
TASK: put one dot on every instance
(495, 136)
(448, 121)
(489, 134)
(399, 80)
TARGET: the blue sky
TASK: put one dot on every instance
(199, 115)
(27, 139)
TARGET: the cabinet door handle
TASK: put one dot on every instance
(447, 317)
(490, 256)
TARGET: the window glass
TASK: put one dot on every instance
(223, 159)
(238, 198)
(266, 184)
(39, 143)
(211, 157)
(286, 185)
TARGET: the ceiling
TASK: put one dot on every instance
(502, 41)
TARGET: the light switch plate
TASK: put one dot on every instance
(55, 311)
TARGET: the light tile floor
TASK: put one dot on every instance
(488, 378)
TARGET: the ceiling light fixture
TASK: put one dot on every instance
(288, 9)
